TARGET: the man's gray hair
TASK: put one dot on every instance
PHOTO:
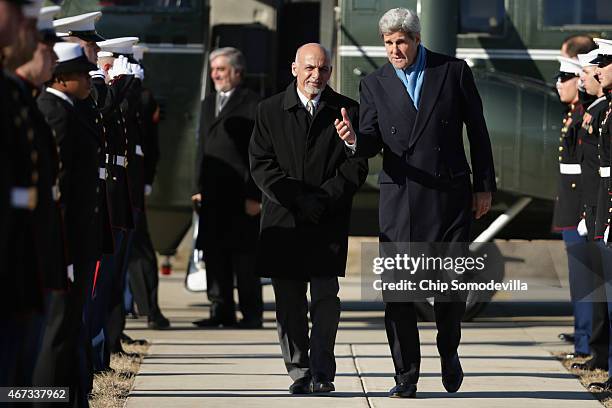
(399, 19)
(234, 57)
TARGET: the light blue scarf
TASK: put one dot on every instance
(412, 76)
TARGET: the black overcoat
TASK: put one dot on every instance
(222, 173)
(292, 155)
(425, 188)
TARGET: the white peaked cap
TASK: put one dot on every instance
(67, 51)
(585, 59)
(82, 22)
(122, 45)
(31, 10)
(45, 17)
(104, 54)
(605, 46)
(570, 65)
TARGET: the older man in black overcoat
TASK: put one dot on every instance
(230, 200)
(414, 109)
(308, 183)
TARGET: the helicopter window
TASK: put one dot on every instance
(482, 17)
(148, 3)
(577, 12)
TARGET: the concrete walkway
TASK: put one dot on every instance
(506, 359)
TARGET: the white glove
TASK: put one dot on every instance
(100, 74)
(582, 228)
(138, 71)
(148, 189)
(121, 66)
(70, 272)
(606, 233)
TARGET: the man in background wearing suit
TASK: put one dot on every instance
(414, 109)
(229, 199)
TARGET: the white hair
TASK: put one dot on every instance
(234, 57)
(399, 19)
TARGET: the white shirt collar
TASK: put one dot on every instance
(226, 94)
(60, 95)
(304, 99)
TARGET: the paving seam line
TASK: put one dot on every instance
(361, 379)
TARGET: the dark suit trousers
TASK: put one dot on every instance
(292, 326)
(222, 264)
(142, 270)
(403, 335)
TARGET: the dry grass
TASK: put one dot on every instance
(587, 377)
(110, 390)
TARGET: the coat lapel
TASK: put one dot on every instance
(396, 90)
(234, 102)
(435, 74)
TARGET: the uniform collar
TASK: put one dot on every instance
(597, 102)
(60, 95)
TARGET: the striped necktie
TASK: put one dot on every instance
(310, 107)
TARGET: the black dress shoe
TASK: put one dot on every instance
(158, 323)
(323, 386)
(122, 353)
(605, 386)
(567, 337)
(589, 365)
(214, 322)
(128, 340)
(301, 386)
(250, 324)
(570, 356)
(452, 373)
(403, 390)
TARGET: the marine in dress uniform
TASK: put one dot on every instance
(52, 366)
(21, 296)
(143, 271)
(592, 182)
(567, 212)
(111, 87)
(604, 75)
(81, 196)
(120, 50)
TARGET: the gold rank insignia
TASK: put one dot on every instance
(590, 129)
